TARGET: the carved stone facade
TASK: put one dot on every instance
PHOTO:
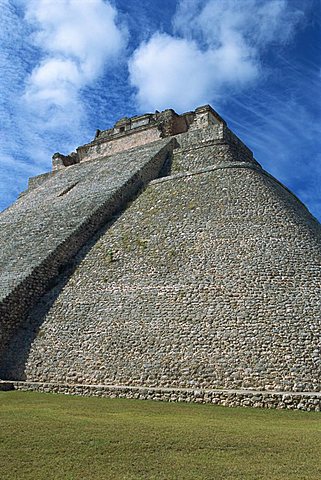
(134, 132)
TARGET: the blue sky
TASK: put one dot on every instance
(69, 67)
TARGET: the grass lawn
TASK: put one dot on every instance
(46, 436)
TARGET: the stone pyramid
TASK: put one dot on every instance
(161, 261)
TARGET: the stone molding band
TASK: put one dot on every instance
(307, 401)
(225, 166)
(222, 166)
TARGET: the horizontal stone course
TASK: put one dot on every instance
(306, 401)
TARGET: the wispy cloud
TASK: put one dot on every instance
(216, 47)
(282, 125)
(50, 51)
(77, 40)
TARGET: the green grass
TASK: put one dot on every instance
(46, 436)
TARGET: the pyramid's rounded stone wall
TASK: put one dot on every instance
(211, 280)
(214, 145)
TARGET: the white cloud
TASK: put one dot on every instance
(158, 67)
(84, 29)
(254, 22)
(217, 45)
(52, 52)
(77, 38)
(170, 71)
(54, 81)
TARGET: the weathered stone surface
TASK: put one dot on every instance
(47, 226)
(206, 286)
(307, 401)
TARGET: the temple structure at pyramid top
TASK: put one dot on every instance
(161, 261)
(133, 132)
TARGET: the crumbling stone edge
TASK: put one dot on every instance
(307, 401)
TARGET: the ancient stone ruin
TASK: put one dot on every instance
(161, 261)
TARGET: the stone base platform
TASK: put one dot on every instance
(308, 401)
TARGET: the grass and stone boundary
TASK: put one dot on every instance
(306, 401)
